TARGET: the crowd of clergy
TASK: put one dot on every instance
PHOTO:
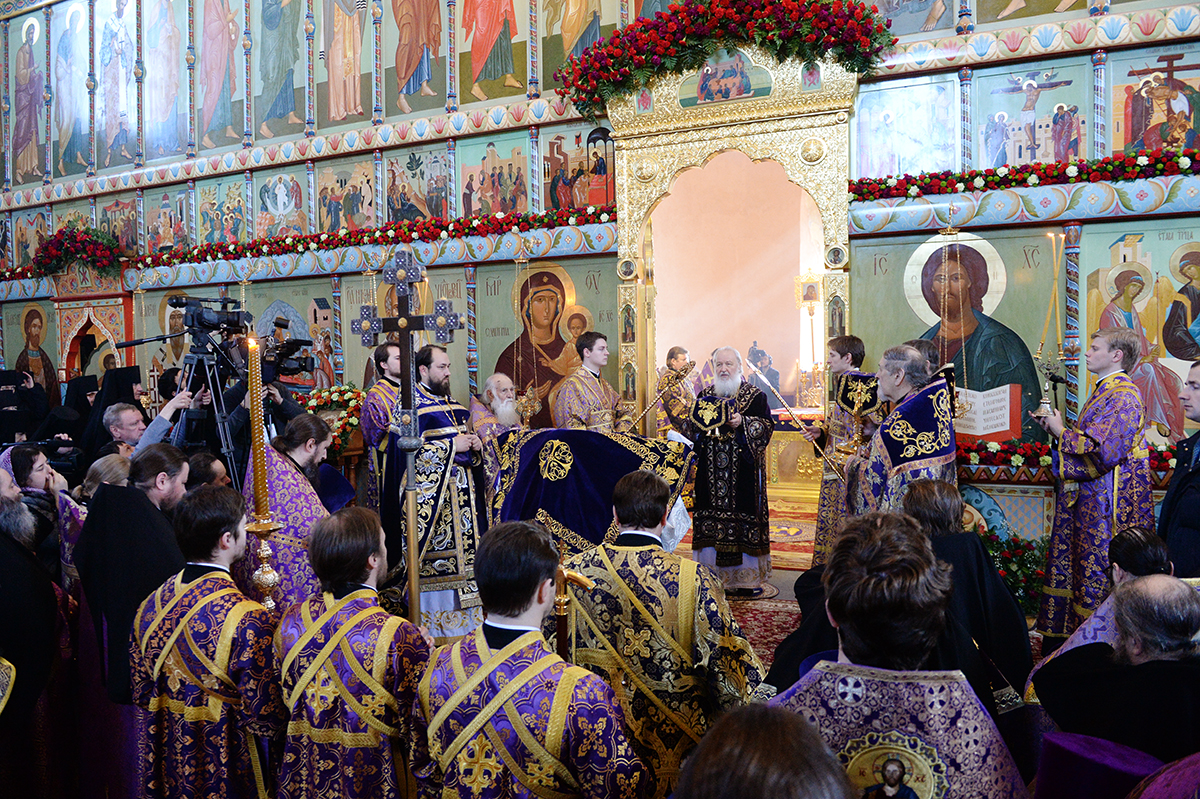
(142, 658)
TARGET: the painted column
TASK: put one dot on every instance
(1099, 132)
(1071, 339)
(310, 102)
(311, 172)
(191, 209)
(472, 338)
(247, 106)
(139, 204)
(533, 169)
(139, 77)
(190, 59)
(532, 81)
(452, 199)
(451, 56)
(48, 96)
(380, 193)
(251, 208)
(6, 133)
(339, 362)
(377, 26)
(965, 23)
(964, 105)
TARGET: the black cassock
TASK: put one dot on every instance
(731, 476)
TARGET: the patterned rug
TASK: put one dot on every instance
(791, 542)
(766, 623)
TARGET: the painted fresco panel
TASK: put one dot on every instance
(281, 207)
(492, 41)
(220, 87)
(117, 214)
(577, 167)
(491, 174)
(1154, 98)
(154, 317)
(166, 213)
(69, 68)
(29, 231)
(1145, 275)
(345, 46)
(116, 122)
(31, 342)
(568, 27)
(418, 182)
(1010, 11)
(921, 16)
(905, 127)
(346, 195)
(1039, 111)
(27, 68)
(307, 305)
(524, 321)
(165, 85)
(76, 213)
(1006, 276)
(415, 47)
(221, 209)
(279, 79)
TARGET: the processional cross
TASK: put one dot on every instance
(405, 274)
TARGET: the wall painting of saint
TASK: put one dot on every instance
(69, 68)
(568, 28)
(345, 196)
(29, 231)
(221, 210)
(166, 214)
(1145, 278)
(1033, 112)
(493, 174)
(118, 217)
(919, 16)
(418, 184)
(165, 85)
(116, 123)
(981, 300)
(1155, 98)
(280, 206)
(219, 89)
(31, 344)
(905, 127)
(279, 81)
(28, 71)
(577, 167)
(527, 334)
(345, 45)
(727, 75)
(493, 36)
(415, 42)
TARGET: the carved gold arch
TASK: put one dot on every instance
(802, 123)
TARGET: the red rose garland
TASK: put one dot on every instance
(95, 248)
(348, 400)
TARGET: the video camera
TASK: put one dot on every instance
(279, 357)
(198, 317)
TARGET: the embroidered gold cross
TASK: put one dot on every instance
(635, 643)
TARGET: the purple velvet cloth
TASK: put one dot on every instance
(1082, 767)
(1178, 780)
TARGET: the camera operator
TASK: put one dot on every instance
(19, 392)
(279, 408)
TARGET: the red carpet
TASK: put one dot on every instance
(765, 623)
(791, 543)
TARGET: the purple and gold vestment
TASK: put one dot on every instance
(204, 668)
(1103, 470)
(296, 505)
(519, 722)
(375, 423)
(485, 425)
(585, 401)
(929, 720)
(349, 675)
(658, 629)
(915, 441)
(831, 508)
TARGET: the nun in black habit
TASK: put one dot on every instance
(120, 385)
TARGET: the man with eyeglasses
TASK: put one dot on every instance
(1177, 523)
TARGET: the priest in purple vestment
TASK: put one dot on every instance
(203, 665)
(1103, 474)
(499, 714)
(376, 420)
(349, 672)
(292, 463)
(493, 414)
(887, 596)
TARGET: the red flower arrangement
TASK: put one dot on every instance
(1162, 457)
(1131, 166)
(682, 38)
(1015, 453)
(95, 248)
(1020, 564)
(397, 233)
(346, 401)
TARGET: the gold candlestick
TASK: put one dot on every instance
(266, 579)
